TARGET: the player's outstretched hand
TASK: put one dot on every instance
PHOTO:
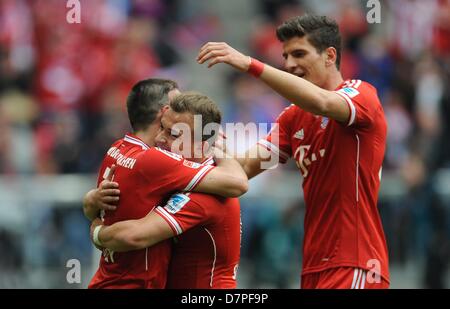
(220, 52)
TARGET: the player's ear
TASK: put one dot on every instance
(207, 148)
(331, 56)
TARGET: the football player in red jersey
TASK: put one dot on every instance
(147, 176)
(335, 130)
(206, 251)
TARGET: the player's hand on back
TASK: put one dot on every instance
(107, 194)
(220, 52)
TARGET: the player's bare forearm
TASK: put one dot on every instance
(228, 179)
(120, 236)
(305, 94)
(297, 90)
(251, 166)
(135, 234)
(257, 160)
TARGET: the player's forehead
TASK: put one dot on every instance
(297, 43)
(170, 118)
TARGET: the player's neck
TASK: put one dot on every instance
(146, 136)
(334, 80)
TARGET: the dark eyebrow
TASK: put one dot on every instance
(298, 50)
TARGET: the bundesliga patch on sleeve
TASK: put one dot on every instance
(351, 92)
(176, 202)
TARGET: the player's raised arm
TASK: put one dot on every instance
(131, 234)
(297, 90)
(255, 161)
(227, 179)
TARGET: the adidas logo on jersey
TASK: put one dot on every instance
(300, 134)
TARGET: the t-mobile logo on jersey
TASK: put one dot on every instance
(74, 14)
(304, 160)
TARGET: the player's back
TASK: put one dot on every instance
(207, 256)
(146, 177)
(138, 268)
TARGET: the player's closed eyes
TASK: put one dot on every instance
(298, 54)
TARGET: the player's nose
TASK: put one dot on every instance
(290, 64)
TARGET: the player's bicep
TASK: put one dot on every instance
(135, 234)
(338, 108)
(221, 181)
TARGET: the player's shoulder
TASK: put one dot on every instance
(290, 110)
(156, 153)
(290, 113)
(117, 143)
(355, 87)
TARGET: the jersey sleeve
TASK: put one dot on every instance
(363, 102)
(172, 170)
(184, 211)
(278, 139)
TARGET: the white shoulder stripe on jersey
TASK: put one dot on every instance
(171, 220)
(170, 154)
(135, 141)
(215, 257)
(350, 105)
(354, 83)
(273, 148)
(209, 161)
(198, 177)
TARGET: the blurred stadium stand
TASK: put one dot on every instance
(62, 93)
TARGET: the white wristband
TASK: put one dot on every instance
(95, 235)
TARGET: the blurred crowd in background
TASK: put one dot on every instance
(63, 89)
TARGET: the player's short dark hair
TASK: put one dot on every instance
(146, 99)
(199, 104)
(321, 31)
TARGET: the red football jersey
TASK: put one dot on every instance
(146, 177)
(341, 168)
(206, 253)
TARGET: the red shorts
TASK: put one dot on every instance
(343, 278)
